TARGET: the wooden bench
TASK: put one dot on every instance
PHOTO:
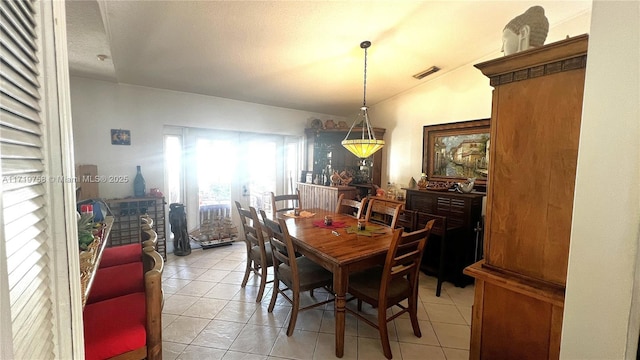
(123, 316)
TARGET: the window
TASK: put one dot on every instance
(221, 167)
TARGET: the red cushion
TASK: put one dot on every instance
(115, 326)
(116, 281)
(121, 255)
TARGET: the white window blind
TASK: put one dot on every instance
(26, 243)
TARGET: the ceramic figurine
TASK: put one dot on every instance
(422, 183)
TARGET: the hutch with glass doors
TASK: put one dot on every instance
(326, 155)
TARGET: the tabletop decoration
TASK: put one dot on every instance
(369, 230)
(303, 214)
(334, 224)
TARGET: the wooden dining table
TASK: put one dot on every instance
(341, 254)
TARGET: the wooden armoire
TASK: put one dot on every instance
(535, 129)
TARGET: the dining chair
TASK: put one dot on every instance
(297, 273)
(407, 220)
(388, 286)
(381, 212)
(437, 248)
(286, 202)
(350, 207)
(259, 257)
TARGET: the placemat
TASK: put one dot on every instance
(369, 230)
(303, 214)
(334, 224)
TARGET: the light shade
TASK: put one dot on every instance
(363, 148)
(367, 145)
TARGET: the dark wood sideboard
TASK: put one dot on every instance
(463, 212)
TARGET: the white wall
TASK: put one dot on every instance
(602, 312)
(459, 95)
(98, 107)
(601, 320)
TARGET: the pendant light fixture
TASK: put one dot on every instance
(367, 145)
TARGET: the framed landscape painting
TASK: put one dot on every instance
(457, 151)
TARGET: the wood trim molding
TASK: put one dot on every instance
(560, 56)
(540, 70)
(541, 290)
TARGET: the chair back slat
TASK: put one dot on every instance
(250, 225)
(281, 245)
(440, 225)
(282, 248)
(407, 219)
(282, 203)
(350, 207)
(379, 212)
(404, 256)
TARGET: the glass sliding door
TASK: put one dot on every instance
(216, 168)
(174, 187)
(263, 156)
(292, 163)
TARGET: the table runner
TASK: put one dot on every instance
(334, 224)
(369, 230)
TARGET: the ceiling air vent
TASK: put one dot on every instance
(424, 73)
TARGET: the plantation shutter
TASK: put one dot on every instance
(26, 240)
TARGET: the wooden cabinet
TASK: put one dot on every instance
(87, 182)
(463, 212)
(535, 129)
(323, 197)
(126, 225)
(327, 154)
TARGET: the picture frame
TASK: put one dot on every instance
(120, 137)
(455, 152)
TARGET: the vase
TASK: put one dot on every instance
(138, 183)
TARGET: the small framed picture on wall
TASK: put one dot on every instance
(120, 137)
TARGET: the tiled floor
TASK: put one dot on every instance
(207, 315)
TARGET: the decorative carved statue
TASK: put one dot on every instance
(525, 31)
(178, 221)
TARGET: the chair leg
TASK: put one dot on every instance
(247, 271)
(384, 332)
(413, 315)
(359, 305)
(294, 312)
(441, 267)
(274, 293)
(263, 282)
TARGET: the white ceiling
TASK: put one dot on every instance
(296, 54)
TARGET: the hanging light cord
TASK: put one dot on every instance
(366, 126)
(365, 45)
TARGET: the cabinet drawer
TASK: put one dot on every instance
(454, 209)
(421, 203)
